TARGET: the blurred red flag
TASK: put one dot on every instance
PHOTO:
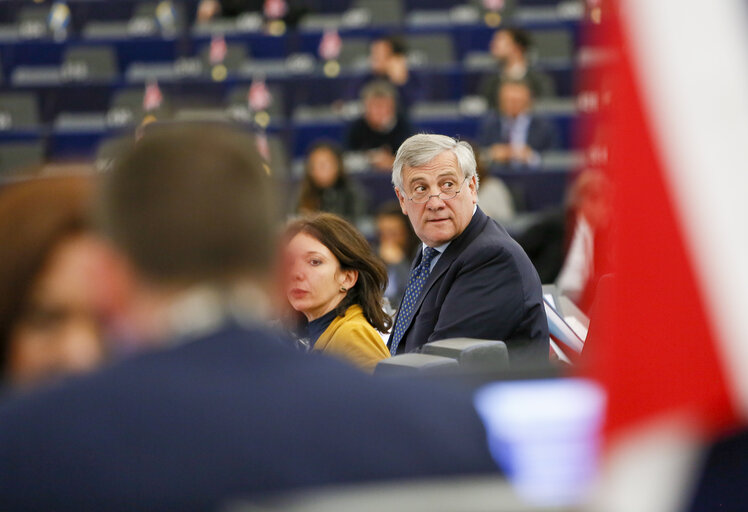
(258, 96)
(665, 342)
(330, 45)
(218, 49)
(275, 9)
(262, 146)
(493, 5)
(152, 97)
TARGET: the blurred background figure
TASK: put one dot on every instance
(290, 11)
(381, 129)
(494, 196)
(396, 245)
(326, 187)
(510, 46)
(49, 321)
(388, 60)
(514, 135)
(336, 281)
(591, 204)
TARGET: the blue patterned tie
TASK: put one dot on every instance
(415, 284)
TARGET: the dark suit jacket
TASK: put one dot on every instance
(483, 286)
(231, 414)
(723, 482)
(541, 134)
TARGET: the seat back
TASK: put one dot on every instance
(411, 364)
(18, 110)
(18, 155)
(89, 63)
(471, 353)
(430, 50)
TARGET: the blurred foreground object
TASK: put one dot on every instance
(669, 347)
(49, 311)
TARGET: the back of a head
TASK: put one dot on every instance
(191, 203)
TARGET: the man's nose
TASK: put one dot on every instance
(435, 202)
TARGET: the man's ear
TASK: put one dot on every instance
(117, 283)
(348, 278)
(402, 200)
(474, 188)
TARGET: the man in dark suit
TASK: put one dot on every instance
(471, 278)
(219, 406)
(513, 135)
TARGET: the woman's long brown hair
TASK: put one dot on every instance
(353, 253)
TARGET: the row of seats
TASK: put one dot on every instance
(135, 61)
(19, 118)
(168, 18)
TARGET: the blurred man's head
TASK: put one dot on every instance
(380, 105)
(515, 98)
(509, 43)
(382, 50)
(191, 204)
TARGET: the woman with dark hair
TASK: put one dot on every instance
(336, 281)
(327, 188)
(48, 321)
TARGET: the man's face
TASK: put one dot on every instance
(514, 99)
(379, 55)
(379, 112)
(502, 45)
(438, 221)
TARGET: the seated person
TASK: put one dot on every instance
(590, 200)
(326, 187)
(471, 279)
(513, 135)
(335, 280)
(509, 47)
(396, 244)
(49, 324)
(494, 196)
(381, 129)
(290, 11)
(388, 61)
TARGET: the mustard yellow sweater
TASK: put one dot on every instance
(353, 338)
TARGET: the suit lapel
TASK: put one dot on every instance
(476, 225)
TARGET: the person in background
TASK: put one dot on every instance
(509, 46)
(218, 406)
(326, 187)
(396, 245)
(49, 321)
(336, 281)
(290, 11)
(381, 129)
(513, 135)
(388, 61)
(591, 203)
(494, 196)
(471, 279)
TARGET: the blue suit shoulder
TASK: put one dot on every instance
(235, 412)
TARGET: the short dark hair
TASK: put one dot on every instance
(353, 252)
(520, 37)
(396, 43)
(191, 202)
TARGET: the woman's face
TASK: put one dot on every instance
(314, 277)
(59, 330)
(323, 167)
